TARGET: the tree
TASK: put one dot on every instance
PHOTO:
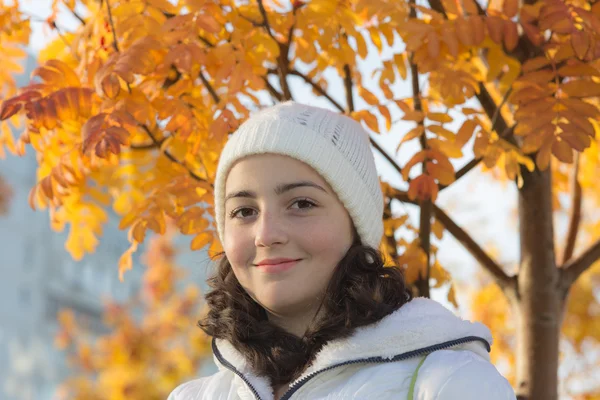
(131, 110)
(150, 346)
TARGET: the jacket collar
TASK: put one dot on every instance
(419, 324)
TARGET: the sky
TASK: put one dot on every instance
(484, 207)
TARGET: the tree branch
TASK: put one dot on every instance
(463, 171)
(209, 87)
(112, 27)
(77, 15)
(390, 240)
(157, 144)
(318, 89)
(577, 266)
(282, 61)
(263, 12)
(486, 261)
(575, 217)
(425, 205)
(278, 96)
(386, 155)
(348, 86)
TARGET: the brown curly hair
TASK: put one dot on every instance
(361, 291)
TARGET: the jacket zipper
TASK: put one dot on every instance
(370, 360)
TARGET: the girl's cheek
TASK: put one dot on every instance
(237, 247)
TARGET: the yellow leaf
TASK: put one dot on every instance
(581, 88)
(424, 188)
(138, 231)
(439, 117)
(510, 8)
(535, 63)
(450, 149)
(562, 151)
(441, 131)
(400, 63)
(465, 132)
(412, 134)
(439, 274)
(578, 70)
(361, 45)
(581, 42)
(542, 158)
(443, 175)
(376, 39)
(369, 119)
(201, 240)
(385, 112)
(511, 35)
(367, 96)
(416, 116)
(452, 296)
(470, 7)
(208, 23)
(471, 111)
(125, 261)
(417, 158)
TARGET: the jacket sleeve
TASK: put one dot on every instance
(460, 375)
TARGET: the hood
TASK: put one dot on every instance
(419, 324)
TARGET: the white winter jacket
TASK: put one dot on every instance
(377, 362)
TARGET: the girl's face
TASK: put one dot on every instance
(277, 207)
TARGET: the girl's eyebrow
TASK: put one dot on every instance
(279, 189)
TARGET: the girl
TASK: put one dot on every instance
(302, 306)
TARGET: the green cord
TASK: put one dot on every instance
(413, 381)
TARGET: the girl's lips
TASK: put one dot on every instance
(275, 268)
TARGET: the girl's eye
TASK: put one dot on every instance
(236, 213)
(307, 204)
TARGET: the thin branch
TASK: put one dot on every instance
(463, 171)
(282, 61)
(278, 96)
(425, 206)
(390, 240)
(497, 112)
(64, 40)
(486, 261)
(77, 15)
(577, 266)
(348, 86)
(146, 146)
(317, 88)
(112, 27)
(205, 41)
(490, 108)
(386, 155)
(263, 12)
(170, 156)
(209, 87)
(575, 217)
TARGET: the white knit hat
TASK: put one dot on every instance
(334, 145)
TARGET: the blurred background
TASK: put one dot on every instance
(47, 297)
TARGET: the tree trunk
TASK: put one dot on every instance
(538, 304)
